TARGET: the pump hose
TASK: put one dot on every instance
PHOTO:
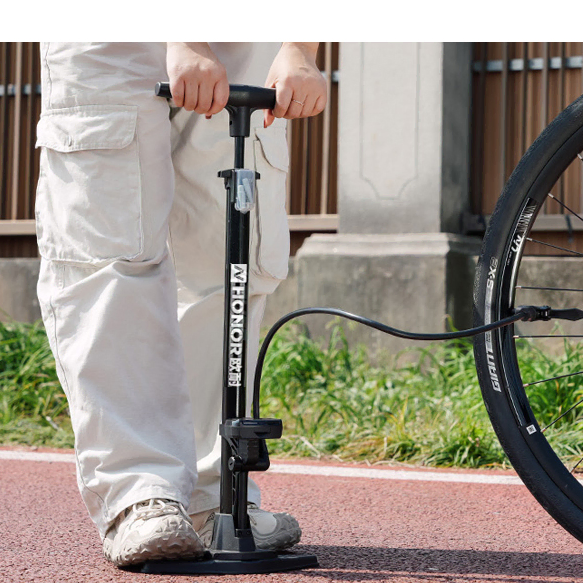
(518, 315)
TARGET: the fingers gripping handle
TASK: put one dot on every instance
(243, 101)
(239, 96)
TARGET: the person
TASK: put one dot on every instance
(130, 227)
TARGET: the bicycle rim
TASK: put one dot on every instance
(536, 407)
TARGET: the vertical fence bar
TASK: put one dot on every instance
(478, 158)
(16, 139)
(314, 166)
(524, 97)
(304, 165)
(324, 186)
(30, 126)
(297, 163)
(503, 117)
(545, 87)
(544, 114)
(332, 168)
(288, 185)
(581, 165)
(4, 76)
(561, 107)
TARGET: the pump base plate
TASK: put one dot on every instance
(235, 566)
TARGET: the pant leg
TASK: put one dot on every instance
(197, 230)
(107, 287)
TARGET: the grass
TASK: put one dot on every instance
(425, 409)
(33, 407)
(556, 403)
(333, 402)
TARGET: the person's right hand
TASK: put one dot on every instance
(198, 80)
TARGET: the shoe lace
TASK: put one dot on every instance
(155, 507)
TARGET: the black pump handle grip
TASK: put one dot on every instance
(239, 95)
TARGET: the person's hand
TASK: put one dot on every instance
(299, 86)
(198, 80)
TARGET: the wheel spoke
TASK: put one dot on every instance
(549, 288)
(565, 206)
(554, 246)
(549, 336)
(575, 466)
(563, 376)
(563, 414)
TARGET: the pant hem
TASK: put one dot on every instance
(204, 504)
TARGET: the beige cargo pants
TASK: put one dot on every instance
(130, 224)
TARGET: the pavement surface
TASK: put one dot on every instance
(364, 524)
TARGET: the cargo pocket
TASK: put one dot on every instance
(270, 231)
(88, 202)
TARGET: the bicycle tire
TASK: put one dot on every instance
(535, 460)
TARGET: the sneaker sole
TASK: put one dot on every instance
(176, 545)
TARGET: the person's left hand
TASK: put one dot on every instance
(300, 87)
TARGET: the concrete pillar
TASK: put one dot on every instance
(404, 160)
(18, 301)
(404, 137)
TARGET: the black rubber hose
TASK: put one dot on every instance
(519, 315)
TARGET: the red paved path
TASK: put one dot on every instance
(361, 530)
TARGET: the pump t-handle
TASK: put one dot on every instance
(243, 101)
(239, 95)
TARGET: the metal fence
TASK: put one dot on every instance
(19, 112)
(312, 189)
(518, 88)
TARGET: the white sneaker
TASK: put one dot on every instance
(271, 531)
(150, 530)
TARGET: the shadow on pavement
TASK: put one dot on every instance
(344, 563)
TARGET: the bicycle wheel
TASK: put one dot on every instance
(530, 373)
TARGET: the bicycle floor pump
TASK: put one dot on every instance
(244, 449)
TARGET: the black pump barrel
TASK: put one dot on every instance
(239, 96)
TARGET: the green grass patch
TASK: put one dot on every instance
(334, 402)
(33, 407)
(423, 407)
